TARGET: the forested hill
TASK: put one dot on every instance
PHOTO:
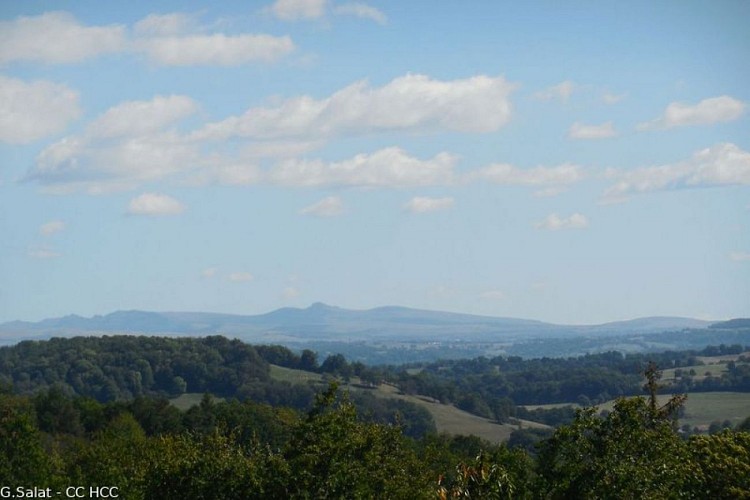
(121, 367)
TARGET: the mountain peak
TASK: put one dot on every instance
(320, 306)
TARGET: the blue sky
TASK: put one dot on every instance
(575, 162)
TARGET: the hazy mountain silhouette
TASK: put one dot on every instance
(323, 322)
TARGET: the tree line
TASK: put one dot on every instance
(231, 450)
(112, 368)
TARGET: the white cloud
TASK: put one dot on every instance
(293, 10)
(290, 292)
(740, 256)
(714, 110)
(137, 142)
(75, 164)
(241, 277)
(33, 110)
(329, 206)
(407, 103)
(298, 10)
(721, 164)
(279, 149)
(56, 37)
(155, 204)
(580, 131)
(361, 10)
(215, 50)
(554, 222)
(43, 253)
(422, 204)
(506, 174)
(51, 227)
(128, 144)
(175, 23)
(561, 91)
(389, 167)
(226, 172)
(142, 117)
(173, 39)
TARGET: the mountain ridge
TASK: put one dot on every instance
(321, 321)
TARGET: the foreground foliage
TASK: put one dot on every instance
(232, 451)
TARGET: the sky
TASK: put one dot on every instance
(574, 162)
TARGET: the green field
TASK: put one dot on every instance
(451, 420)
(701, 408)
(447, 418)
(294, 376)
(668, 376)
(709, 360)
(714, 365)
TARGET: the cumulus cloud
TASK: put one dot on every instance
(361, 10)
(173, 39)
(562, 91)
(33, 110)
(56, 37)
(293, 10)
(305, 10)
(226, 172)
(722, 164)
(155, 204)
(128, 144)
(137, 142)
(423, 204)
(740, 256)
(215, 50)
(580, 131)
(389, 167)
(175, 23)
(329, 206)
(554, 222)
(708, 111)
(75, 163)
(142, 117)
(407, 103)
(177, 39)
(51, 227)
(241, 277)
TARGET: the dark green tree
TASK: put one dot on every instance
(721, 465)
(333, 455)
(23, 459)
(634, 452)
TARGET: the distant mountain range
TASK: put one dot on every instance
(321, 322)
